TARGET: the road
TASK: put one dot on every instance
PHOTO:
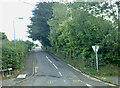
(51, 71)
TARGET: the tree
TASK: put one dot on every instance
(59, 15)
(3, 36)
(39, 29)
(80, 30)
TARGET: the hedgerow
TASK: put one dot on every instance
(13, 56)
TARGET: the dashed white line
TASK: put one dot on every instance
(50, 60)
(60, 73)
(52, 63)
(88, 85)
(55, 66)
(46, 57)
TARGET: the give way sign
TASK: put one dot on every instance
(95, 48)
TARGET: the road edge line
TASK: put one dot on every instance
(83, 73)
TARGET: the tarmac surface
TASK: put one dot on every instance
(44, 69)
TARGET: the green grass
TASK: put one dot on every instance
(108, 70)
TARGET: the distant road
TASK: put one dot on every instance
(51, 71)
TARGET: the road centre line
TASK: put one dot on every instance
(46, 57)
(52, 63)
(55, 66)
(60, 73)
(50, 60)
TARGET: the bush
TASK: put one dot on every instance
(13, 56)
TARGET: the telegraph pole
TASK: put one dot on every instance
(14, 32)
(14, 29)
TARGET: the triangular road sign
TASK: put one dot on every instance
(95, 48)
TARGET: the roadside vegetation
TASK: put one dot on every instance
(69, 31)
(14, 56)
(106, 70)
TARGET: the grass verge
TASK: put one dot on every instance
(107, 70)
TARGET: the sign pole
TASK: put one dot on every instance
(97, 61)
(95, 48)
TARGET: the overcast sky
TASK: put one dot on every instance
(11, 10)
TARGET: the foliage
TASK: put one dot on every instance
(12, 56)
(39, 29)
(59, 15)
(2, 35)
(30, 44)
(75, 27)
(80, 30)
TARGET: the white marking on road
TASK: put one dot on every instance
(21, 76)
(46, 57)
(60, 73)
(50, 60)
(64, 80)
(88, 85)
(36, 69)
(55, 66)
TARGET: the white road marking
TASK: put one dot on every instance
(89, 85)
(36, 69)
(55, 66)
(52, 63)
(21, 76)
(50, 60)
(46, 57)
(60, 73)
(64, 80)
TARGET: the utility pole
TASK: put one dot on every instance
(14, 29)
(14, 32)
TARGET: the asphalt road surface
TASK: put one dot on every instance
(51, 71)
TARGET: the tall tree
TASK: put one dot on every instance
(82, 29)
(59, 15)
(39, 29)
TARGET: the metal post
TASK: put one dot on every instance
(14, 32)
(95, 48)
(97, 61)
(14, 29)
